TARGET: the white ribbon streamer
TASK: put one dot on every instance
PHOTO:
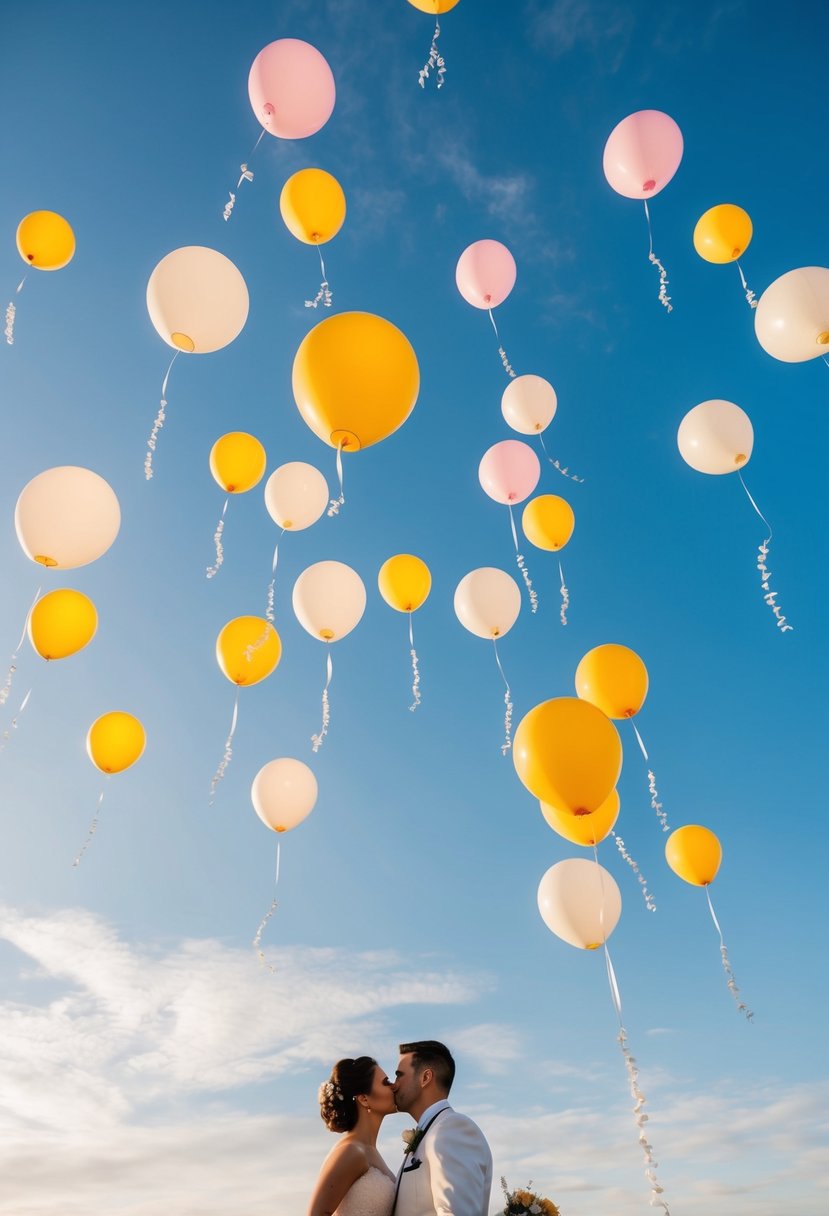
(620, 845)
(765, 574)
(335, 503)
(435, 60)
(664, 298)
(521, 564)
(247, 176)
(217, 541)
(324, 296)
(655, 803)
(749, 293)
(415, 671)
(7, 687)
(317, 740)
(93, 828)
(228, 752)
(732, 983)
(507, 365)
(269, 610)
(257, 941)
(12, 726)
(11, 313)
(159, 422)
(507, 744)
(565, 595)
(565, 472)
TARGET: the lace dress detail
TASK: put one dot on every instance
(371, 1195)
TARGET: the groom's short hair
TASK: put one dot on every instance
(428, 1053)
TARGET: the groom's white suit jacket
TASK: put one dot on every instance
(450, 1171)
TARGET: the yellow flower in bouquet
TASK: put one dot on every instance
(526, 1202)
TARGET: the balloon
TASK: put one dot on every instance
(716, 437)
(434, 6)
(642, 154)
(586, 830)
(115, 741)
(291, 88)
(296, 494)
(248, 649)
(45, 240)
(404, 582)
(614, 679)
(485, 274)
(66, 517)
(283, 793)
(792, 315)
(355, 379)
(723, 233)
(509, 471)
(62, 623)
(197, 299)
(329, 599)
(548, 522)
(568, 753)
(529, 404)
(487, 602)
(694, 854)
(312, 204)
(237, 461)
(580, 902)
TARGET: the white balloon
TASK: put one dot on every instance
(792, 316)
(487, 602)
(283, 793)
(716, 437)
(329, 599)
(197, 299)
(580, 902)
(66, 517)
(529, 404)
(296, 495)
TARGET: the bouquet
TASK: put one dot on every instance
(526, 1203)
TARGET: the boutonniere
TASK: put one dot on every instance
(411, 1139)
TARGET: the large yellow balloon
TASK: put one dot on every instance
(45, 240)
(587, 830)
(115, 741)
(614, 678)
(61, 623)
(248, 649)
(238, 462)
(694, 853)
(568, 753)
(548, 522)
(723, 234)
(355, 379)
(404, 582)
(434, 6)
(312, 204)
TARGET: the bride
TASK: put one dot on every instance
(354, 1179)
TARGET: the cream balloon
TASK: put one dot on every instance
(792, 315)
(487, 602)
(283, 793)
(197, 299)
(296, 494)
(329, 598)
(66, 517)
(580, 902)
(716, 437)
(529, 404)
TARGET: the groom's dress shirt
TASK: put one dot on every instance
(450, 1171)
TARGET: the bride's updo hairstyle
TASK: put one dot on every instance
(338, 1095)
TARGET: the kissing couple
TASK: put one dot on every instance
(447, 1166)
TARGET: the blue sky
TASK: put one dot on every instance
(149, 1060)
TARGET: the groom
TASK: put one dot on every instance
(447, 1170)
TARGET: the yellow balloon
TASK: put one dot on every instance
(237, 461)
(355, 379)
(45, 240)
(434, 6)
(61, 623)
(694, 853)
(614, 678)
(723, 234)
(115, 741)
(548, 522)
(569, 754)
(248, 649)
(312, 204)
(404, 582)
(586, 830)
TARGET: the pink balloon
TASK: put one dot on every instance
(485, 274)
(642, 153)
(291, 88)
(509, 471)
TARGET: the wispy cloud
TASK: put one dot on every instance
(601, 26)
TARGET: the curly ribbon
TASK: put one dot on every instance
(159, 422)
(565, 472)
(519, 557)
(324, 296)
(664, 298)
(655, 803)
(507, 744)
(269, 610)
(11, 313)
(93, 828)
(415, 671)
(7, 687)
(228, 752)
(620, 845)
(335, 503)
(732, 983)
(565, 595)
(316, 740)
(12, 726)
(435, 60)
(257, 941)
(765, 574)
(217, 541)
(507, 365)
(753, 301)
(247, 176)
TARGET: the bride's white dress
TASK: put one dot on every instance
(371, 1195)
